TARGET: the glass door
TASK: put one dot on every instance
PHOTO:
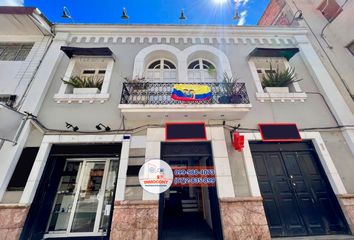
(84, 198)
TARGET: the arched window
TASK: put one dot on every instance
(161, 70)
(201, 70)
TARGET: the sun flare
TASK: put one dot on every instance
(220, 1)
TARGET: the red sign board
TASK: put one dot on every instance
(185, 131)
(279, 132)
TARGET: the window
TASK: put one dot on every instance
(201, 70)
(96, 69)
(23, 169)
(84, 200)
(260, 66)
(330, 9)
(351, 48)
(14, 52)
(96, 74)
(161, 70)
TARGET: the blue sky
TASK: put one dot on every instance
(149, 11)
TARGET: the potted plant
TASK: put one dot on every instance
(229, 85)
(85, 85)
(278, 81)
(137, 83)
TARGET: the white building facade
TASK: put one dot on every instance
(82, 180)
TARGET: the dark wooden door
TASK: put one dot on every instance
(298, 199)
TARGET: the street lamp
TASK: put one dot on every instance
(66, 14)
(297, 16)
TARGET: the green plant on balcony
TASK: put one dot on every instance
(277, 78)
(212, 71)
(85, 82)
(137, 83)
(230, 90)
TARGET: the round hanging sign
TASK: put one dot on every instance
(155, 176)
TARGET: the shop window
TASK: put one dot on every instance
(260, 67)
(330, 9)
(161, 70)
(201, 70)
(19, 178)
(95, 72)
(84, 200)
(14, 51)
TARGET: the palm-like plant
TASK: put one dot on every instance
(279, 78)
(85, 82)
(230, 85)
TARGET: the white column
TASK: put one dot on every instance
(36, 173)
(325, 83)
(250, 169)
(182, 73)
(154, 137)
(122, 173)
(255, 76)
(9, 155)
(67, 76)
(224, 184)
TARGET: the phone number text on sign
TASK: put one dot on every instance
(196, 176)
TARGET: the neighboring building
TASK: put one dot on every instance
(331, 32)
(81, 182)
(25, 35)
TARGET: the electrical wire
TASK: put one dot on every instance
(325, 52)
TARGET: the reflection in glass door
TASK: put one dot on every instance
(84, 199)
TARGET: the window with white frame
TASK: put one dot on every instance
(84, 200)
(201, 70)
(260, 67)
(94, 74)
(161, 70)
(88, 69)
(14, 51)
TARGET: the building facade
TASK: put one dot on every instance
(83, 147)
(330, 23)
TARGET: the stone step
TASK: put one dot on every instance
(326, 237)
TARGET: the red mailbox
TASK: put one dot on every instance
(238, 141)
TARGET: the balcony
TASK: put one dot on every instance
(153, 100)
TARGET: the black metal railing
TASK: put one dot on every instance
(160, 93)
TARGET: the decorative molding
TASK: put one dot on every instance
(281, 97)
(131, 39)
(81, 98)
(166, 34)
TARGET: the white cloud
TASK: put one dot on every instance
(11, 2)
(243, 16)
(241, 2)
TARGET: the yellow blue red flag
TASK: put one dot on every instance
(191, 92)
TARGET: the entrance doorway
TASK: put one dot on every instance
(189, 212)
(75, 196)
(297, 197)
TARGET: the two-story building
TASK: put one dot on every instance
(179, 93)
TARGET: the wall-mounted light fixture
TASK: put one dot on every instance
(106, 128)
(74, 128)
(297, 16)
(182, 17)
(124, 15)
(66, 14)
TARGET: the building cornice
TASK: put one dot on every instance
(203, 34)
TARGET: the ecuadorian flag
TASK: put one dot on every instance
(191, 92)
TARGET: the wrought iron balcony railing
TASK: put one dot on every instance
(159, 93)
